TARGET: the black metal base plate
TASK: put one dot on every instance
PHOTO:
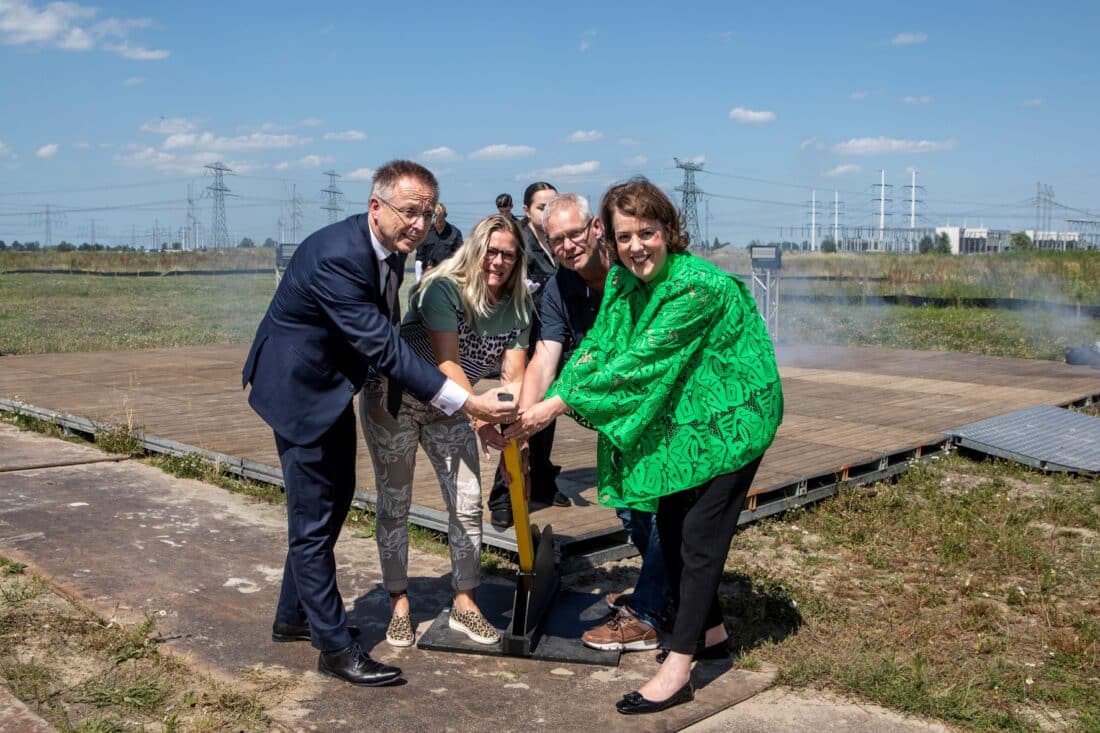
(570, 614)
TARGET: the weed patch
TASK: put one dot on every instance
(82, 674)
(965, 591)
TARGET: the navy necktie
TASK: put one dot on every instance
(390, 289)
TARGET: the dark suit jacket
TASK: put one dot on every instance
(327, 324)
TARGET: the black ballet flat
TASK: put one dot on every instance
(713, 652)
(634, 704)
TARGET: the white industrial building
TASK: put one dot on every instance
(981, 240)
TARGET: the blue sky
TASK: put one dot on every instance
(112, 109)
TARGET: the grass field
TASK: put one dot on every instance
(65, 313)
(966, 591)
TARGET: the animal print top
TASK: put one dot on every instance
(480, 344)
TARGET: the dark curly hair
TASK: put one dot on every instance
(639, 198)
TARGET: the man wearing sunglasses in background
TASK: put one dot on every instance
(330, 328)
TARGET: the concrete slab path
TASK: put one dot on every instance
(130, 541)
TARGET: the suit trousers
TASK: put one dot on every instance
(696, 527)
(319, 481)
(451, 447)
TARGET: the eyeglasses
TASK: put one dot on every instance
(409, 214)
(574, 236)
(507, 257)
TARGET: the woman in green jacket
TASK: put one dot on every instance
(678, 377)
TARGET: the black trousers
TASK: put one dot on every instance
(696, 527)
(320, 482)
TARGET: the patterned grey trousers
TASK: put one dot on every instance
(451, 446)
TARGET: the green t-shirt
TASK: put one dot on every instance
(438, 307)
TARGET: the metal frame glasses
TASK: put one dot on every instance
(574, 236)
(410, 214)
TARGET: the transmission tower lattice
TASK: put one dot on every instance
(219, 232)
(688, 206)
(333, 196)
(295, 207)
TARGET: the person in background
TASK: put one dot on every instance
(443, 240)
(504, 206)
(470, 313)
(330, 325)
(570, 302)
(540, 260)
(678, 377)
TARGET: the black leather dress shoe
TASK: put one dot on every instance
(283, 632)
(355, 666)
(634, 704)
(501, 519)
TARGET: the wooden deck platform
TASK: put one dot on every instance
(851, 415)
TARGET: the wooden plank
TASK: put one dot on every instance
(844, 407)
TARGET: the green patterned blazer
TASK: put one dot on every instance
(678, 376)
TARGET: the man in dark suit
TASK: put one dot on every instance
(330, 323)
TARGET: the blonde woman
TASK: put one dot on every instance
(470, 313)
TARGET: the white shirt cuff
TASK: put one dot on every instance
(450, 398)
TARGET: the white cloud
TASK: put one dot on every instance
(627, 141)
(502, 152)
(82, 145)
(841, 170)
(146, 156)
(359, 174)
(169, 126)
(4, 149)
(307, 161)
(136, 53)
(442, 154)
(185, 163)
(346, 135)
(725, 36)
(20, 23)
(859, 96)
(587, 39)
(750, 116)
(584, 136)
(568, 170)
(47, 151)
(133, 81)
(908, 39)
(311, 122)
(636, 162)
(70, 26)
(1034, 102)
(253, 141)
(878, 145)
(925, 99)
(810, 142)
